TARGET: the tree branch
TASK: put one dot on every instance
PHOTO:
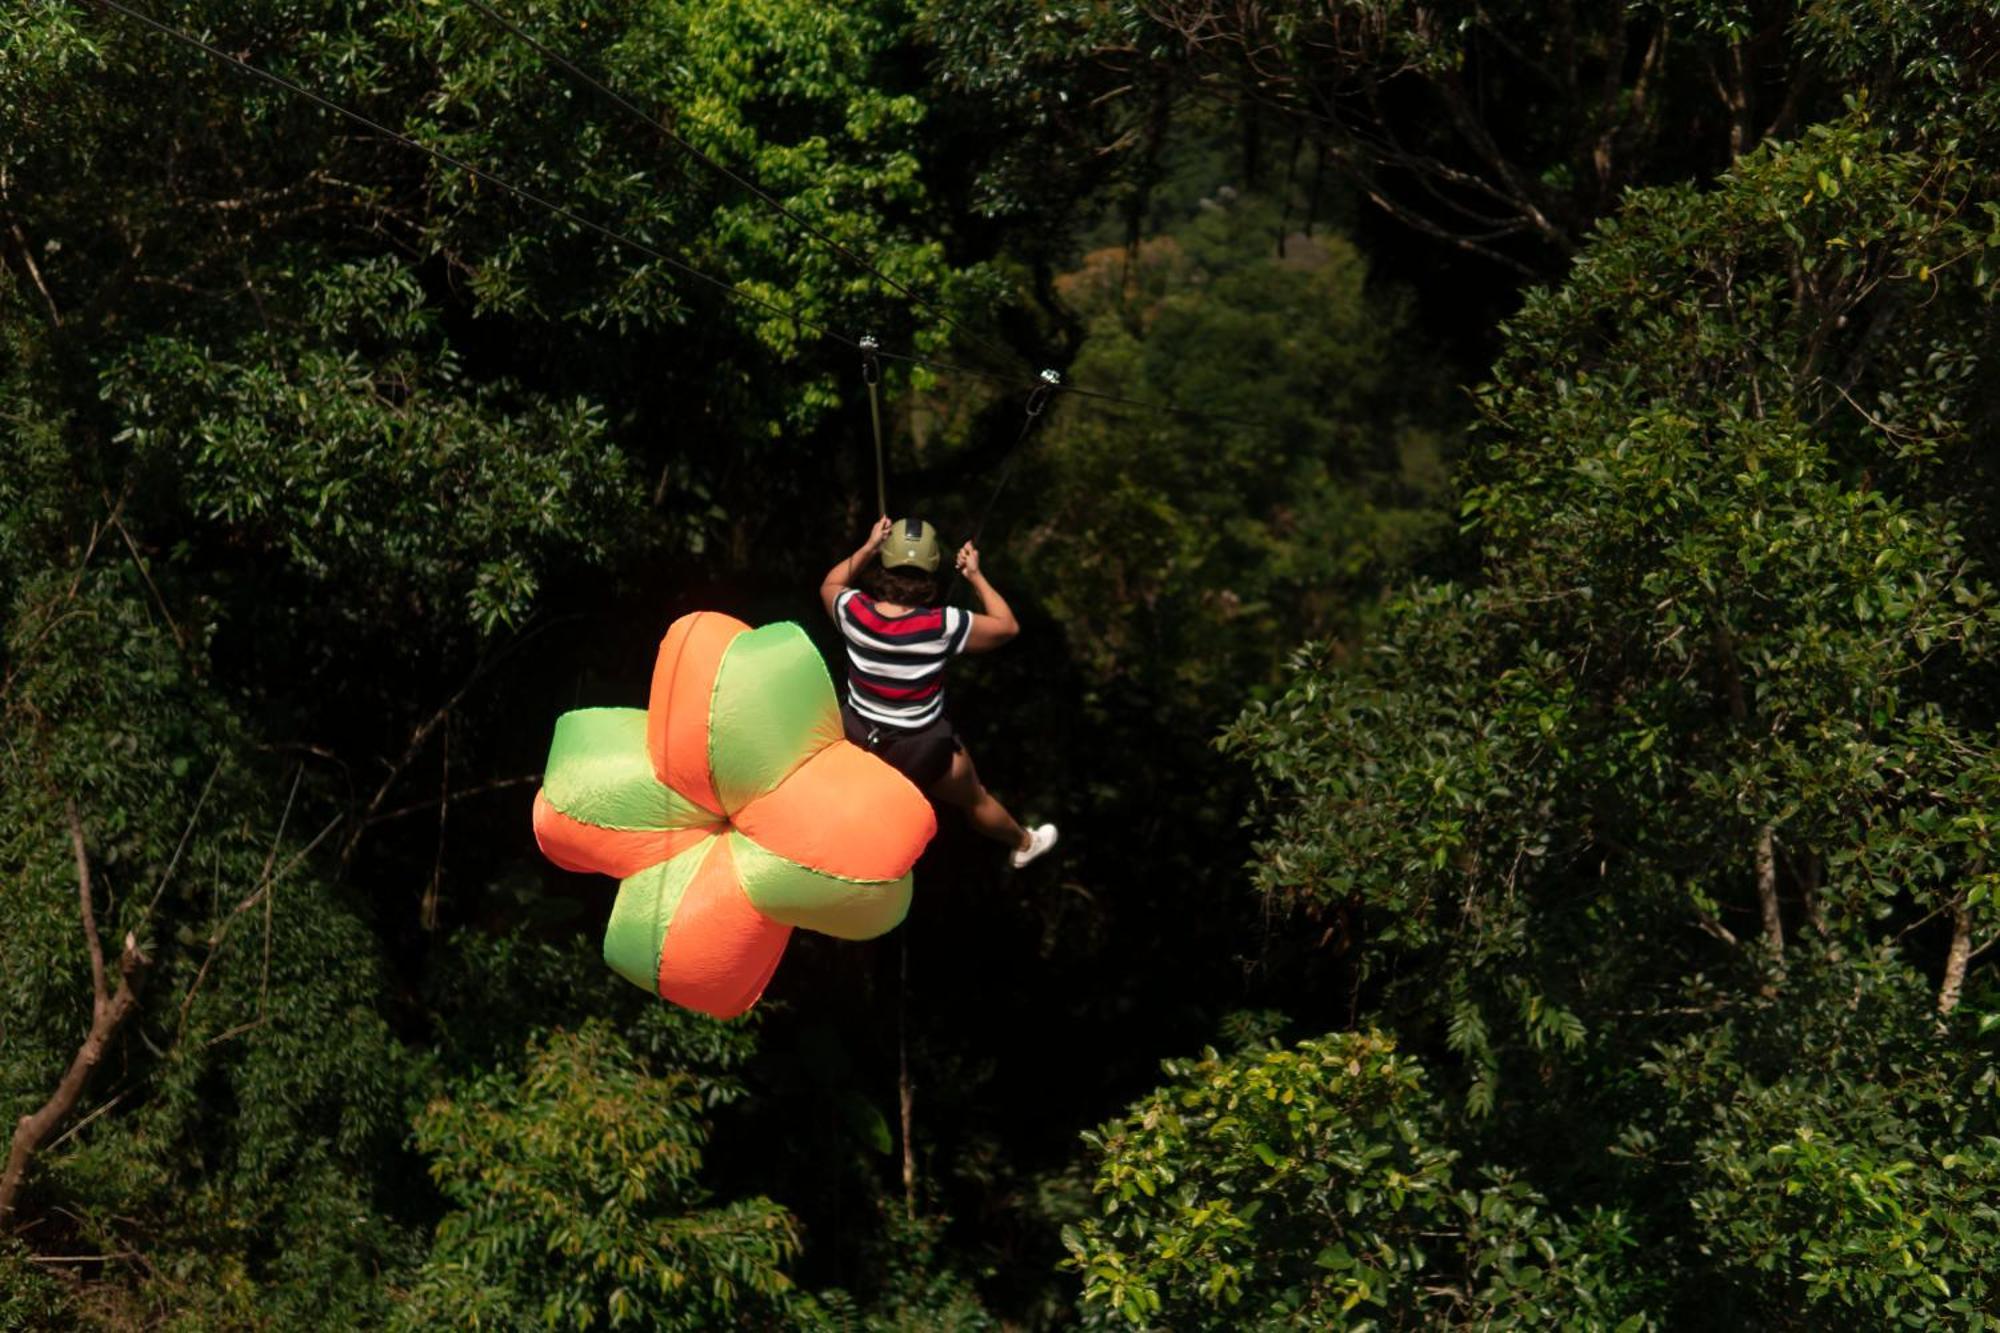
(34, 272)
(1711, 926)
(108, 1013)
(97, 987)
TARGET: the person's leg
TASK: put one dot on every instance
(961, 787)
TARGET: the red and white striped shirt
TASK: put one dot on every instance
(895, 663)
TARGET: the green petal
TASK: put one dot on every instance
(794, 895)
(639, 919)
(599, 772)
(773, 708)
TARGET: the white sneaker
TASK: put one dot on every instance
(1040, 839)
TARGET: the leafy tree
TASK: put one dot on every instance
(1505, 131)
(1663, 826)
(356, 456)
(576, 1203)
(922, 1290)
(1305, 1187)
(1844, 1155)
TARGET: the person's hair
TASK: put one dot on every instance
(903, 587)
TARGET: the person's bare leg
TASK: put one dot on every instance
(961, 787)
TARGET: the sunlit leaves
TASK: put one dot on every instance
(384, 471)
(577, 1206)
(1306, 1187)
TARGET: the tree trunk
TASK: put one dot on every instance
(1767, 894)
(1956, 957)
(1809, 877)
(108, 1013)
(1767, 843)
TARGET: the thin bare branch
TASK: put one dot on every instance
(173, 626)
(1711, 926)
(180, 847)
(249, 901)
(27, 253)
(98, 991)
(462, 794)
(1767, 893)
(423, 732)
(84, 1123)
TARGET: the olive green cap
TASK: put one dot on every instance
(912, 544)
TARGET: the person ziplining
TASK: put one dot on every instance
(899, 638)
(746, 800)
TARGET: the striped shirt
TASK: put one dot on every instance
(895, 663)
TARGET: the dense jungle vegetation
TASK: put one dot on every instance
(1526, 733)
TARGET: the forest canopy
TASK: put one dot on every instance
(1509, 634)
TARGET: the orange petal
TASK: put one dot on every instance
(843, 813)
(677, 713)
(720, 951)
(575, 845)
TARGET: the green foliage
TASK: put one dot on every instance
(354, 451)
(1029, 81)
(258, 1080)
(1856, 1183)
(922, 1291)
(1307, 1188)
(303, 432)
(576, 1204)
(1504, 131)
(29, 1297)
(1649, 822)
(1723, 594)
(784, 93)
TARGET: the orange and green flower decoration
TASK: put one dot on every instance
(731, 809)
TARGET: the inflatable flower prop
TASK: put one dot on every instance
(731, 809)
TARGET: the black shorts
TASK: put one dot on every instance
(923, 755)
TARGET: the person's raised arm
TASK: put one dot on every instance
(993, 623)
(841, 577)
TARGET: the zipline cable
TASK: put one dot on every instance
(997, 376)
(748, 186)
(791, 316)
(1192, 413)
(1077, 390)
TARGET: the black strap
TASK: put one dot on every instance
(871, 373)
(1038, 398)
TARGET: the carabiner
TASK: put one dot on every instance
(1039, 399)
